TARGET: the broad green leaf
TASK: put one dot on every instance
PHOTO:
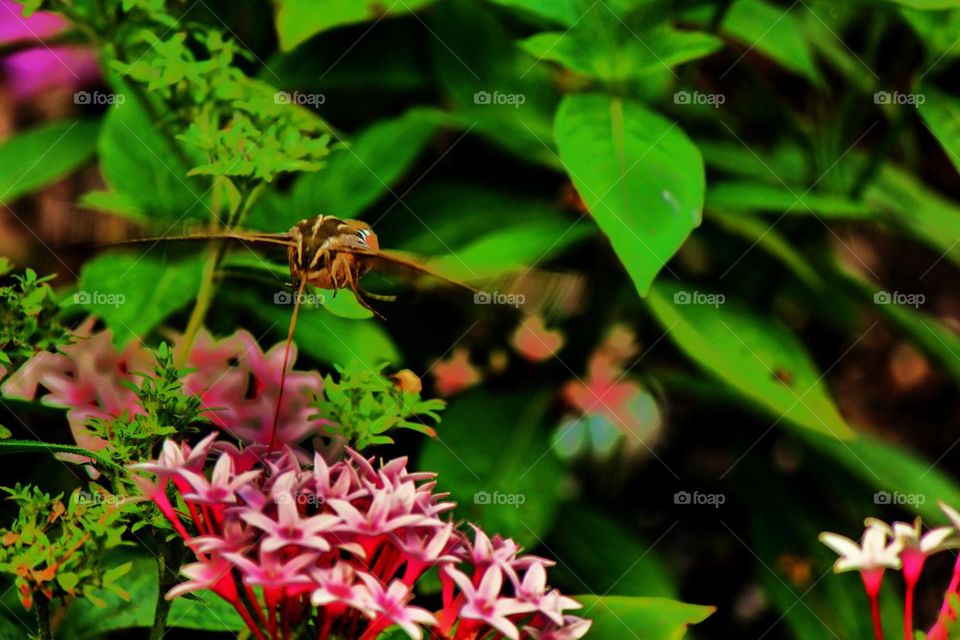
(322, 335)
(508, 481)
(479, 211)
(563, 12)
(778, 199)
(894, 469)
(927, 5)
(357, 175)
(629, 56)
(593, 547)
(774, 31)
(112, 202)
(937, 29)
(925, 214)
(300, 20)
(756, 356)
(639, 174)
(510, 249)
(144, 167)
(39, 156)
(496, 89)
(619, 617)
(205, 611)
(783, 164)
(941, 112)
(135, 293)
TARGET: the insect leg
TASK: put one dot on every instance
(352, 283)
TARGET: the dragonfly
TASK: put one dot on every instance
(332, 253)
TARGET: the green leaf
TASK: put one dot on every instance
(893, 469)
(510, 249)
(205, 611)
(941, 112)
(508, 481)
(757, 357)
(134, 293)
(142, 165)
(778, 199)
(927, 5)
(324, 336)
(923, 213)
(785, 163)
(496, 89)
(37, 157)
(300, 20)
(630, 56)
(593, 546)
(562, 12)
(357, 175)
(639, 174)
(618, 617)
(774, 31)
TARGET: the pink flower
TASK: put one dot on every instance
(289, 528)
(42, 68)
(534, 341)
(485, 604)
(455, 373)
(388, 606)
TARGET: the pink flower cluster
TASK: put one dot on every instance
(336, 549)
(236, 380)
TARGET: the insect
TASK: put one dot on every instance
(331, 253)
(326, 252)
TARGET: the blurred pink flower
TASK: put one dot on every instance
(237, 382)
(42, 67)
(534, 342)
(455, 373)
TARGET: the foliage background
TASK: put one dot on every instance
(767, 199)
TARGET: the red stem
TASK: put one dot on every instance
(939, 630)
(286, 359)
(875, 614)
(908, 612)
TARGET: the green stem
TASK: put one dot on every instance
(207, 287)
(168, 564)
(43, 617)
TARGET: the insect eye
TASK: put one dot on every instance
(363, 233)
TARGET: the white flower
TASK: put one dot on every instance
(872, 553)
(908, 537)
